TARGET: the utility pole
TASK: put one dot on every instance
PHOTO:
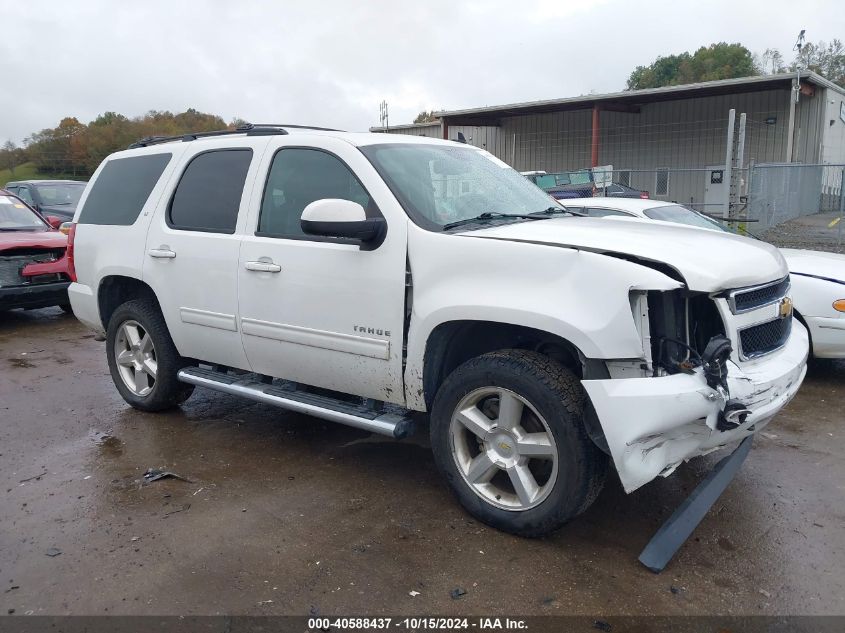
(729, 151)
(793, 96)
(382, 115)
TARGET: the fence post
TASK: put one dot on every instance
(729, 148)
(841, 209)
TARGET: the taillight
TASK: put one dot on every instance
(644, 195)
(71, 266)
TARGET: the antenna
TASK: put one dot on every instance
(799, 46)
(382, 115)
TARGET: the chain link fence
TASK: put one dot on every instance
(791, 205)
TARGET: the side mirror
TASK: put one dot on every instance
(333, 217)
(53, 221)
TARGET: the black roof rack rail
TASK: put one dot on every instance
(250, 129)
(298, 127)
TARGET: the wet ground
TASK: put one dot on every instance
(285, 514)
(820, 232)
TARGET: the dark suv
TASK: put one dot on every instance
(49, 197)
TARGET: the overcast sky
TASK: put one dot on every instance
(330, 63)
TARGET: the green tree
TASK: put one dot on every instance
(708, 63)
(827, 60)
(426, 116)
(11, 156)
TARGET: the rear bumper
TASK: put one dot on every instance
(828, 336)
(85, 307)
(34, 296)
(654, 424)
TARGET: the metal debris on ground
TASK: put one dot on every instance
(155, 474)
(33, 478)
(182, 508)
(53, 551)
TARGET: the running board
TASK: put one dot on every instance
(678, 527)
(360, 416)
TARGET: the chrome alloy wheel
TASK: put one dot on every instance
(503, 448)
(135, 357)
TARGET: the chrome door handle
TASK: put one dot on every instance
(161, 253)
(263, 267)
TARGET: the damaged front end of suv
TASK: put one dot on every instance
(716, 367)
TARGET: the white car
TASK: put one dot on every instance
(818, 278)
(363, 277)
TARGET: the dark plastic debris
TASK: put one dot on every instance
(154, 474)
(601, 625)
(457, 592)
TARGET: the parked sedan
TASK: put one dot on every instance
(618, 190)
(33, 258)
(49, 197)
(818, 278)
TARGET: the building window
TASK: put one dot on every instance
(661, 182)
(625, 177)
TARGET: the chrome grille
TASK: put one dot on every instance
(752, 298)
(12, 265)
(764, 338)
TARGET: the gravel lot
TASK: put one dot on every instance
(285, 514)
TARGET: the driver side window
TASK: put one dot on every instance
(297, 178)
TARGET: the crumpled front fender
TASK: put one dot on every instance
(654, 424)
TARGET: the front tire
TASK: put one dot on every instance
(508, 435)
(142, 358)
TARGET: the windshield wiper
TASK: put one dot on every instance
(487, 216)
(555, 211)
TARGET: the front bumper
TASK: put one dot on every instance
(654, 424)
(828, 336)
(34, 295)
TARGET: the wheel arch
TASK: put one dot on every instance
(452, 343)
(115, 290)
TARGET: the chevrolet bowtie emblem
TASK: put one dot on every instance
(504, 446)
(785, 307)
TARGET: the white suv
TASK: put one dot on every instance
(363, 277)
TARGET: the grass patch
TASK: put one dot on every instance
(28, 171)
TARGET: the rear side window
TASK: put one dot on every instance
(122, 189)
(209, 193)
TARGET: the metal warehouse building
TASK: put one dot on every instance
(668, 140)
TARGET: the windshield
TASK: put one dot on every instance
(439, 184)
(60, 194)
(682, 215)
(15, 216)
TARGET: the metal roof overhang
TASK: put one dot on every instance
(627, 101)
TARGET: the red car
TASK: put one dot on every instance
(33, 257)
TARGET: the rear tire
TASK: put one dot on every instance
(142, 358)
(507, 433)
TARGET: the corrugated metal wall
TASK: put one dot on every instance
(684, 134)
(833, 143)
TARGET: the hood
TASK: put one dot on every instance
(707, 261)
(31, 239)
(815, 263)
